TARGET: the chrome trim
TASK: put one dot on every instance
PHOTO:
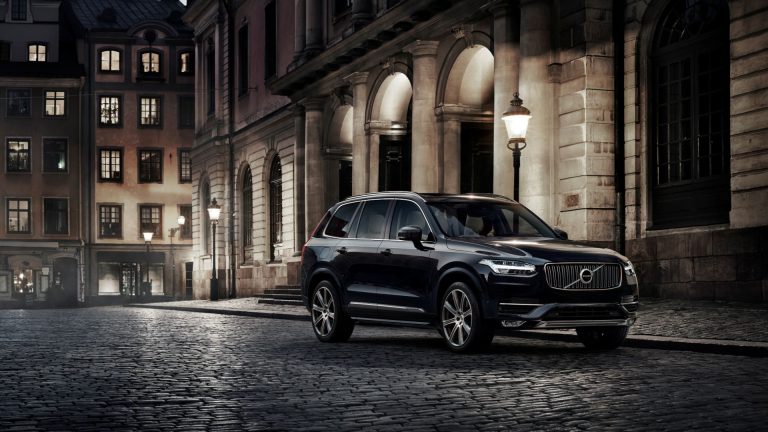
(521, 304)
(385, 306)
(578, 279)
(360, 204)
(585, 323)
(387, 321)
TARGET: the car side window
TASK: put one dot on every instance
(373, 219)
(408, 213)
(341, 223)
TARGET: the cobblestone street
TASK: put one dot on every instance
(119, 368)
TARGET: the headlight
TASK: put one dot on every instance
(507, 267)
(629, 269)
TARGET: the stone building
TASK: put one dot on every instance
(138, 124)
(41, 228)
(647, 130)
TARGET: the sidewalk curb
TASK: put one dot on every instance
(708, 346)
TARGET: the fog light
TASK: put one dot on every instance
(511, 324)
(628, 299)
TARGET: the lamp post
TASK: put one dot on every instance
(516, 119)
(214, 211)
(147, 240)
(180, 220)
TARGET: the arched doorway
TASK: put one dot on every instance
(690, 147)
(391, 132)
(339, 144)
(467, 115)
(275, 200)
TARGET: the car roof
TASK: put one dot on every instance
(432, 197)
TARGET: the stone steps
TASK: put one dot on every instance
(281, 295)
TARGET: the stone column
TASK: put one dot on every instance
(299, 31)
(424, 163)
(373, 161)
(314, 162)
(360, 172)
(506, 78)
(452, 155)
(537, 94)
(299, 184)
(314, 28)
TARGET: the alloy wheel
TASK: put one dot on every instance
(323, 311)
(457, 318)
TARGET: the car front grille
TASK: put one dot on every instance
(584, 313)
(573, 276)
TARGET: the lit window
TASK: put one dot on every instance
(150, 63)
(56, 212)
(36, 52)
(111, 165)
(54, 155)
(110, 221)
(109, 110)
(17, 155)
(185, 63)
(149, 114)
(18, 215)
(186, 230)
(185, 167)
(151, 218)
(110, 61)
(55, 103)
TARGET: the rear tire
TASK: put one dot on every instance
(602, 338)
(461, 322)
(329, 321)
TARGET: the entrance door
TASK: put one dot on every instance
(129, 279)
(476, 157)
(188, 280)
(395, 163)
(65, 274)
(275, 207)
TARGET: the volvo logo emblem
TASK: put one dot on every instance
(585, 276)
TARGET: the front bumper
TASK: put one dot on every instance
(566, 315)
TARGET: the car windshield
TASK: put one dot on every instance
(488, 219)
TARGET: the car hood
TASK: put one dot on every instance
(548, 249)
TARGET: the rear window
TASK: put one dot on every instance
(341, 222)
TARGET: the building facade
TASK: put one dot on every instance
(646, 132)
(42, 253)
(138, 124)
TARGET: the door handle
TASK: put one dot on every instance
(386, 252)
(342, 250)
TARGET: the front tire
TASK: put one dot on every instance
(329, 321)
(602, 338)
(461, 322)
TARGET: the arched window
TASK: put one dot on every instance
(150, 64)
(275, 207)
(247, 209)
(109, 60)
(205, 199)
(689, 102)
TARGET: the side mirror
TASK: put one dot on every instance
(561, 234)
(412, 233)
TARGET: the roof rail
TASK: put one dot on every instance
(368, 194)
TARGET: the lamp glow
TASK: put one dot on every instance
(516, 119)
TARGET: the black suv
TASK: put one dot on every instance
(466, 264)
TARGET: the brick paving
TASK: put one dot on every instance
(126, 369)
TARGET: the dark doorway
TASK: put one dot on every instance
(395, 163)
(188, 280)
(275, 207)
(476, 157)
(345, 179)
(65, 281)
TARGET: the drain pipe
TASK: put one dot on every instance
(618, 116)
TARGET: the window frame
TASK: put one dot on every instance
(8, 140)
(179, 63)
(119, 207)
(140, 73)
(140, 111)
(188, 152)
(158, 228)
(24, 11)
(46, 214)
(148, 150)
(119, 60)
(47, 140)
(38, 45)
(352, 221)
(120, 105)
(185, 232)
(54, 99)
(9, 99)
(121, 163)
(28, 211)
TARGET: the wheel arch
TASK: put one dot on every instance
(458, 274)
(316, 276)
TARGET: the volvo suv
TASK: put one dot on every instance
(468, 265)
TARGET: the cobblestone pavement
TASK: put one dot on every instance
(123, 368)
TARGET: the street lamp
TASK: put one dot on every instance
(180, 220)
(147, 240)
(516, 119)
(214, 211)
